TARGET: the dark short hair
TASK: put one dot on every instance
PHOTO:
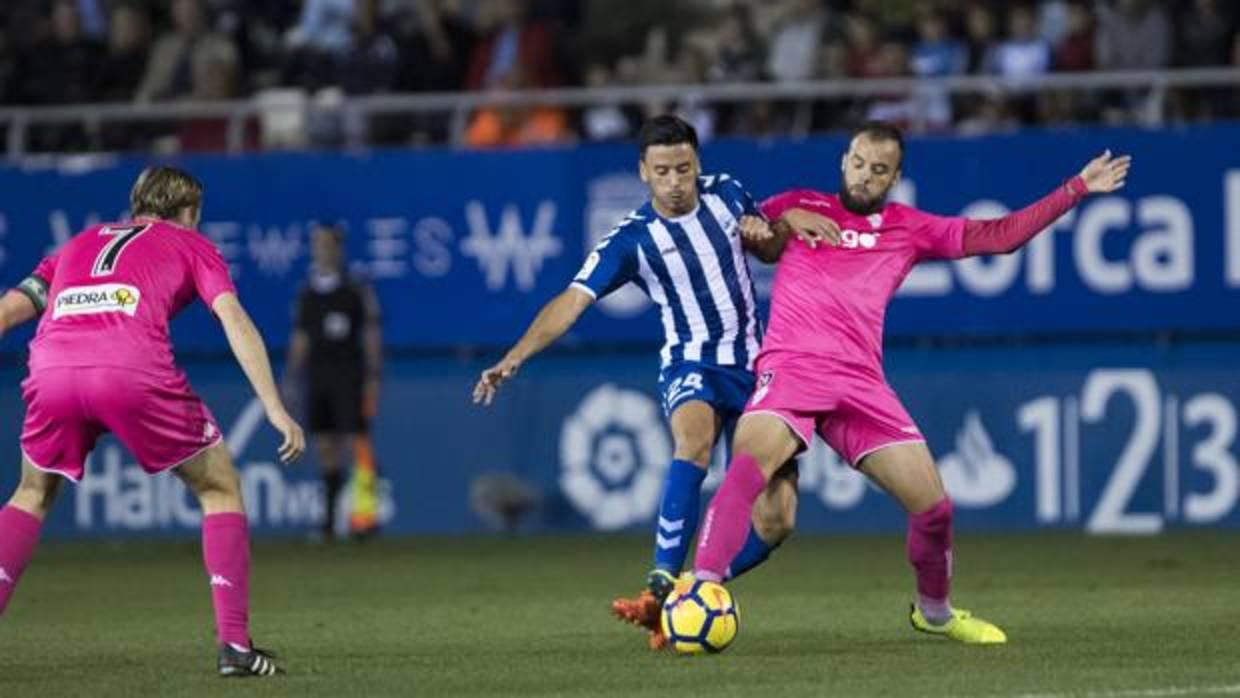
(163, 192)
(666, 129)
(880, 131)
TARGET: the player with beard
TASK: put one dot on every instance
(820, 366)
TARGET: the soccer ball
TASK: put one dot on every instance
(700, 616)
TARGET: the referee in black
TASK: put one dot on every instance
(336, 355)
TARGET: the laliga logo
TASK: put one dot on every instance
(976, 475)
(613, 453)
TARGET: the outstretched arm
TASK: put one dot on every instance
(1009, 233)
(247, 345)
(555, 318)
(15, 308)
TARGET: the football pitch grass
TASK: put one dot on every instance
(827, 616)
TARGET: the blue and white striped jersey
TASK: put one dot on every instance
(692, 267)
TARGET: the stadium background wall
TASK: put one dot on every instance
(1089, 381)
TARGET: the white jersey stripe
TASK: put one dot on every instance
(724, 215)
(665, 309)
(698, 332)
(711, 268)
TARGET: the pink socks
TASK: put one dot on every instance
(226, 552)
(930, 552)
(728, 518)
(19, 534)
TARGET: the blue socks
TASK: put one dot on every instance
(678, 515)
(751, 555)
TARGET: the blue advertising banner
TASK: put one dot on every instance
(464, 247)
(1100, 438)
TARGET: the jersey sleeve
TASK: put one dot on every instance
(39, 283)
(738, 197)
(777, 205)
(937, 237)
(46, 270)
(611, 264)
(210, 272)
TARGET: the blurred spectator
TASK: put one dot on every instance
(325, 26)
(1075, 51)
(507, 126)
(603, 122)
(902, 109)
(60, 69)
(864, 55)
(121, 67)
(179, 54)
(980, 36)
(215, 78)
(1133, 35)
(936, 54)
(369, 63)
(435, 49)
(1024, 54)
(512, 44)
(93, 17)
(1204, 35)
(738, 57)
(793, 53)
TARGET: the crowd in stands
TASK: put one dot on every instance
(322, 52)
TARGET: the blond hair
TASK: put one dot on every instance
(163, 192)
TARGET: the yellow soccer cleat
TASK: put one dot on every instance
(962, 627)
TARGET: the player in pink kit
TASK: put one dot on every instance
(101, 361)
(820, 367)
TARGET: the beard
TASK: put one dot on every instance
(859, 205)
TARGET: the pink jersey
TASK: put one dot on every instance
(830, 302)
(115, 287)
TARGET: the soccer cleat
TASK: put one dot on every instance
(242, 663)
(643, 610)
(962, 627)
(660, 583)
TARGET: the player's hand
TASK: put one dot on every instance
(493, 378)
(755, 229)
(813, 228)
(294, 438)
(1106, 173)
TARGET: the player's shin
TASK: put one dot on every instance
(19, 535)
(727, 520)
(678, 515)
(930, 552)
(226, 553)
(753, 553)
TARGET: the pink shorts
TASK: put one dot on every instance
(156, 416)
(854, 412)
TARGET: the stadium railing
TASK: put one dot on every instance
(17, 121)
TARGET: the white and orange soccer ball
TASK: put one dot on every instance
(700, 616)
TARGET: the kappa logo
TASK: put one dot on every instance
(764, 386)
(4, 576)
(218, 580)
(93, 300)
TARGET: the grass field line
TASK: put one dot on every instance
(1166, 692)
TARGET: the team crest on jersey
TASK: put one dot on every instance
(92, 300)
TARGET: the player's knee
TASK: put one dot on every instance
(694, 449)
(936, 520)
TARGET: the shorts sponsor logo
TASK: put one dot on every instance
(93, 300)
(975, 474)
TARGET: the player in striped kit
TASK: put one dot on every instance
(685, 249)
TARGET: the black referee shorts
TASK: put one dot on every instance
(335, 403)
